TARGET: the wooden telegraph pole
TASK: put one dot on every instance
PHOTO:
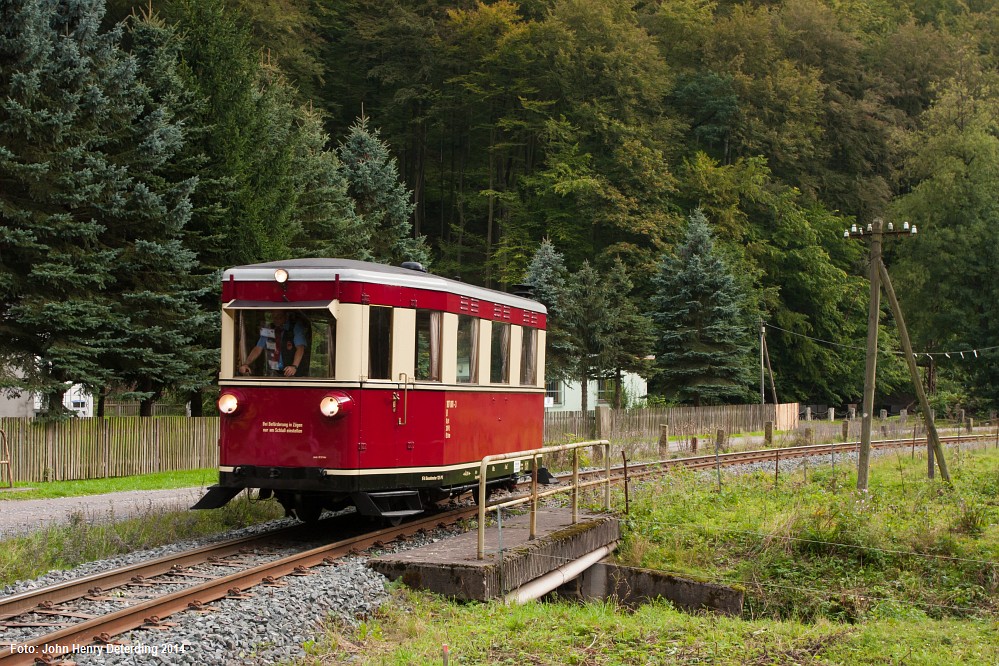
(878, 274)
(871, 367)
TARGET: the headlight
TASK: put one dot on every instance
(335, 404)
(228, 403)
(329, 406)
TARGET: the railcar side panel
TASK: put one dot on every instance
(485, 423)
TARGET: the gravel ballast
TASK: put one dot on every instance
(268, 625)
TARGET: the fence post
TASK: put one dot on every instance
(5, 460)
(971, 424)
(603, 414)
(48, 473)
(718, 443)
(846, 431)
(768, 434)
(720, 439)
(663, 439)
(603, 421)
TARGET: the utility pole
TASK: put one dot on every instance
(763, 398)
(878, 273)
(871, 367)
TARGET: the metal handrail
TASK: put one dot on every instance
(534, 456)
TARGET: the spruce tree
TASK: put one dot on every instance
(380, 198)
(324, 210)
(588, 321)
(629, 339)
(701, 344)
(548, 275)
(160, 285)
(89, 225)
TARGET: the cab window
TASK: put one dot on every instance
(277, 334)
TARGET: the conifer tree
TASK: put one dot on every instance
(89, 224)
(629, 339)
(161, 283)
(548, 275)
(324, 210)
(588, 323)
(701, 345)
(380, 198)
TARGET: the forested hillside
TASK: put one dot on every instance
(145, 146)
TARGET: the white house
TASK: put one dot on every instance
(567, 396)
(76, 399)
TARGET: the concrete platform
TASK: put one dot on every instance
(451, 568)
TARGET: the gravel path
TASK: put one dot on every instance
(21, 516)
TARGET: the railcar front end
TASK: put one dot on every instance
(371, 385)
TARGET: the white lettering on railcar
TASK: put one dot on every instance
(289, 427)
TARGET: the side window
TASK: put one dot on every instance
(428, 345)
(379, 342)
(468, 349)
(322, 347)
(529, 357)
(499, 365)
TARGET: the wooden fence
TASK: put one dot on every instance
(92, 448)
(645, 424)
(116, 446)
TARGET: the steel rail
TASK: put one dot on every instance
(102, 628)
(640, 469)
(25, 602)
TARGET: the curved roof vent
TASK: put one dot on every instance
(414, 266)
(523, 290)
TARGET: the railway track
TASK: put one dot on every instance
(198, 589)
(731, 459)
(192, 580)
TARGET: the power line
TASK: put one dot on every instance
(974, 352)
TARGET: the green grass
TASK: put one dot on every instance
(413, 627)
(906, 573)
(814, 548)
(158, 481)
(78, 541)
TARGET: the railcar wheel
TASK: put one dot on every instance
(308, 511)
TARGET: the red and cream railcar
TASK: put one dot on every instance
(402, 382)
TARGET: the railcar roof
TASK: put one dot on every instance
(351, 270)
